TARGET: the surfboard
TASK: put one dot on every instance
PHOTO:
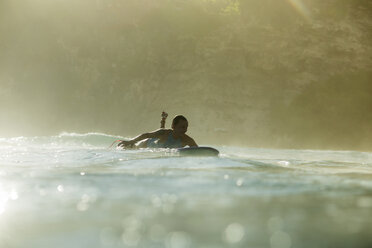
(203, 151)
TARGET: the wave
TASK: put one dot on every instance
(92, 148)
(65, 138)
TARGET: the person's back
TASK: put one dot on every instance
(166, 141)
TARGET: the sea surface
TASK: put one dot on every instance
(71, 190)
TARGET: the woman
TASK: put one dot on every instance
(163, 138)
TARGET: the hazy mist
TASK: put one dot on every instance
(260, 73)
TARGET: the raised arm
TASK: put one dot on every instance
(164, 116)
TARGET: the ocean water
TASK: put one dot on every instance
(70, 191)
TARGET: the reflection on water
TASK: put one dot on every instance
(244, 198)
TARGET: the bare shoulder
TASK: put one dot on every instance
(187, 138)
(189, 141)
(166, 131)
(157, 133)
(162, 131)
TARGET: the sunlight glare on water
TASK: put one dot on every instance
(98, 197)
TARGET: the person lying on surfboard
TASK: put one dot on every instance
(163, 138)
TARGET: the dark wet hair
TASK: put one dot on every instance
(177, 119)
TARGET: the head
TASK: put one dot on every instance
(180, 124)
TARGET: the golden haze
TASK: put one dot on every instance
(276, 73)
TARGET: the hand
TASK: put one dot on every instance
(126, 144)
(164, 115)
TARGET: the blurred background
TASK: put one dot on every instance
(258, 73)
